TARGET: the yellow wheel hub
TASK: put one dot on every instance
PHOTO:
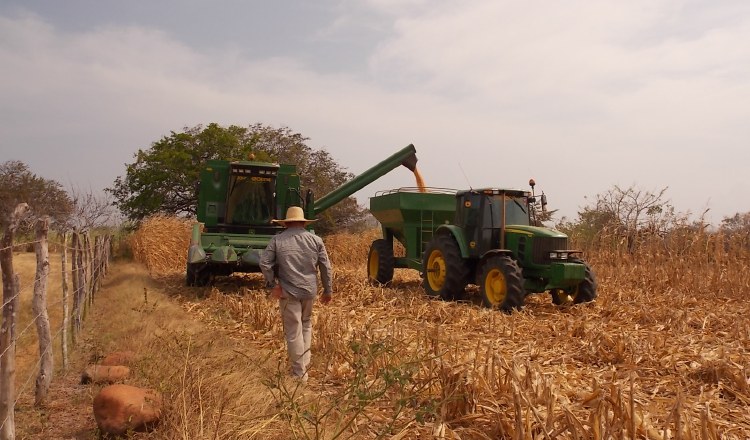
(495, 287)
(372, 269)
(436, 271)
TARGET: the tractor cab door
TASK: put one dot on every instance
(469, 218)
(492, 225)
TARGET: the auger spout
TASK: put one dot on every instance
(406, 157)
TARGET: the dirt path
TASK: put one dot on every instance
(129, 312)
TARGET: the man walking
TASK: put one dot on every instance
(293, 258)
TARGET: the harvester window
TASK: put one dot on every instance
(250, 200)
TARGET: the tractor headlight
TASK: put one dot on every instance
(556, 255)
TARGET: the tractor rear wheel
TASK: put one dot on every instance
(501, 283)
(444, 271)
(585, 291)
(380, 262)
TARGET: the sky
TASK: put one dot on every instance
(580, 95)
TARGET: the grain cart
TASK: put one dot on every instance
(478, 236)
(237, 202)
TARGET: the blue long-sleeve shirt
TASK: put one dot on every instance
(298, 254)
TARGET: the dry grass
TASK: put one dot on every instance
(662, 353)
(160, 243)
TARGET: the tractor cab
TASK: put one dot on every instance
(485, 213)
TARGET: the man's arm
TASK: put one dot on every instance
(267, 262)
(324, 265)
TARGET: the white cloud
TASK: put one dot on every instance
(580, 95)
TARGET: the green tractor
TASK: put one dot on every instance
(485, 237)
(237, 202)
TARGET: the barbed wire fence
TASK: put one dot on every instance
(88, 265)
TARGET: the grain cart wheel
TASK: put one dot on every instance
(380, 262)
(585, 291)
(501, 284)
(444, 271)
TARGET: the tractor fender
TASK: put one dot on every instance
(458, 234)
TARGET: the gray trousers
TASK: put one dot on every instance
(295, 315)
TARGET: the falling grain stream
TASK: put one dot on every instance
(420, 181)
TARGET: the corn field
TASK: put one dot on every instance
(661, 354)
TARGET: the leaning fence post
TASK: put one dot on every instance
(8, 328)
(39, 308)
(66, 320)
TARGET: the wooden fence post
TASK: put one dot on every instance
(65, 317)
(97, 266)
(39, 308)
(88, 266)
(76, 285)
(82, 268)
(80, 274)
(8, 328)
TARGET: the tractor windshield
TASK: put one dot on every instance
(250, 200)
(516, 212)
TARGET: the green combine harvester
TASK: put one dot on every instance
(237, 202)
(485, 237)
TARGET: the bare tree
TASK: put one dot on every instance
(624, 213)
(90, 210)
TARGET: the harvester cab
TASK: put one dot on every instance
(244, 196)
(238, 201)
(490, 237)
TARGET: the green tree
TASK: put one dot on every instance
(44, 196)
(164, 178)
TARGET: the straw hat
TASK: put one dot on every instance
(294, 214)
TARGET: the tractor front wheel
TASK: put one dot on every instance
(444, 271)
(380, 262)
(585, 291)
(501, 284)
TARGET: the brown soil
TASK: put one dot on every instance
(126, 315)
